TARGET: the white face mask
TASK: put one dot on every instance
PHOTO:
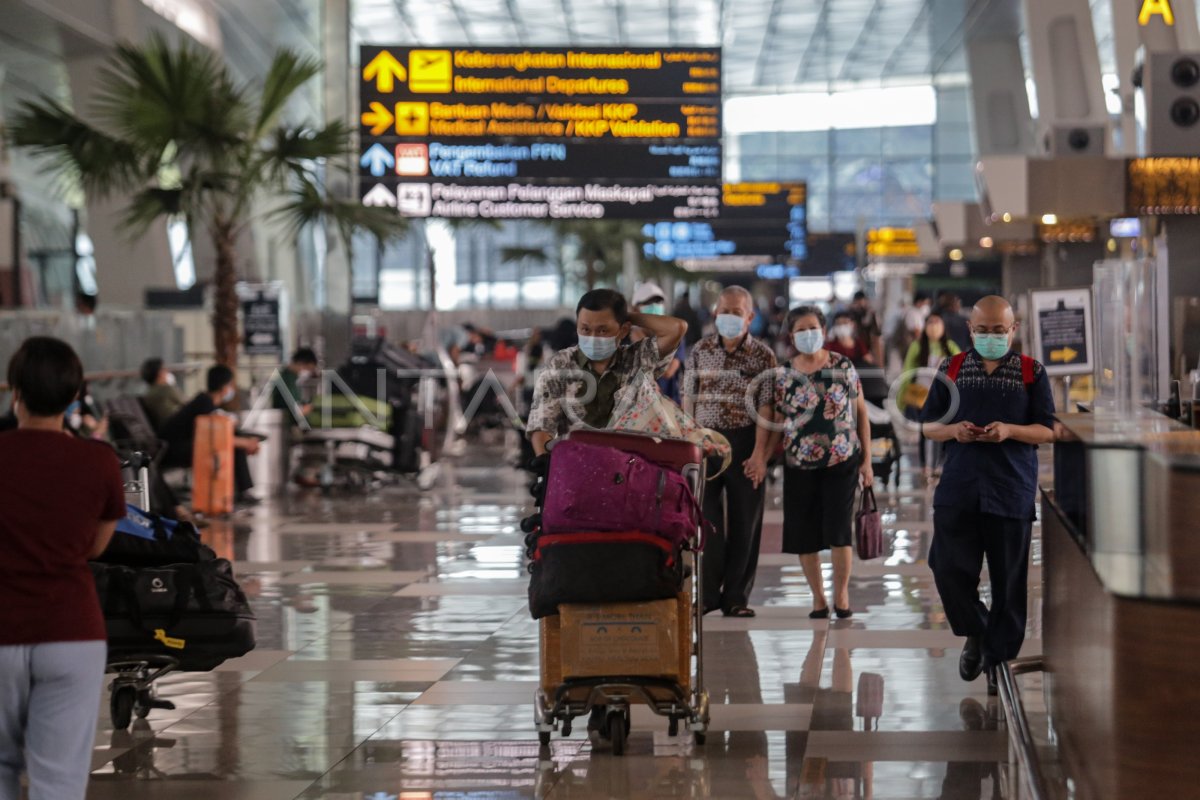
(843, 331)
(228, 396)
(171, 381)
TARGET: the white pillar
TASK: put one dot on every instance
(1066, 69)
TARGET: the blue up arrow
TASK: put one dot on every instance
(378, 160)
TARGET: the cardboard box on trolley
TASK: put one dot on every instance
(651, 639)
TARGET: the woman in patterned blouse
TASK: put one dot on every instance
(821, 417)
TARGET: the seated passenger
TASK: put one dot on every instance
(179, 432)
(59, 502)
(603, 320)
(289, 399)
(163, 398)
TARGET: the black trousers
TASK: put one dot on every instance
(961, 542)
(735, 509)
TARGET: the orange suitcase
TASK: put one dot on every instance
(212, 465)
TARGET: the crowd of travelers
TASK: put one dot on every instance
(781, 388)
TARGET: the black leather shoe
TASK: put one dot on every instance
(970, 663)
(993, 679)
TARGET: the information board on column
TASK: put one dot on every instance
(1062, 320)
(549, 133)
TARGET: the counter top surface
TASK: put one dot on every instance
(1147, 431)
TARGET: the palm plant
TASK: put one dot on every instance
(182, 137)
(601, 246)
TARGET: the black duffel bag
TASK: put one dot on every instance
(195, 613)
(626, 567)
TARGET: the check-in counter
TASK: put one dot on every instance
(1121, 543)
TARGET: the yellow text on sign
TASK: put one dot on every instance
(1153, 8)
(430, 71)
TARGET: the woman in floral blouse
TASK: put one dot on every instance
(821, 418)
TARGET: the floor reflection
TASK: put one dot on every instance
(396, 659)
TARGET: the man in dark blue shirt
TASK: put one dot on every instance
(993, 407)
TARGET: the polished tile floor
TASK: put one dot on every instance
(397, 661)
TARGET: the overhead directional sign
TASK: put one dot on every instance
(1062, 321)
(759, 224)
(607, 132)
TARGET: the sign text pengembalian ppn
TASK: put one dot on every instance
(637, 129)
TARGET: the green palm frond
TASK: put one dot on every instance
(152, 204)
(292, 150)
(101, 163)
(288, 73)
(307, 204)
(158, 94)
(515, 255)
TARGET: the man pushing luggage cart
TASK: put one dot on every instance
(620, 613)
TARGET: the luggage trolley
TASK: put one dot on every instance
(689, 703)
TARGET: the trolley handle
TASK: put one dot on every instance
(135, 460)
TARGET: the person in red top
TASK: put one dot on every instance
(60, 500)
(845, 341)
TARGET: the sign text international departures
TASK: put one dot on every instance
(551, 133)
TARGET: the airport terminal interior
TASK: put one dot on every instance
(496, 399)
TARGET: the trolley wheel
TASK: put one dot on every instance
(673, 727)
(544, 738)
(700, 738)
(143, 704)
(120, 706)
(618, 727)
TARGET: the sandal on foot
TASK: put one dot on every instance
(819, 613)
(741, 612)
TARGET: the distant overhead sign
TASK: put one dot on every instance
(509, 132)
(759, 224)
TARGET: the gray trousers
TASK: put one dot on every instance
(49, 701)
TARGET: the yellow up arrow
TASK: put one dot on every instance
(385, 70)
(379, 118)
(1065, 355)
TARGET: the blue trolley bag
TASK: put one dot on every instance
(143, 539)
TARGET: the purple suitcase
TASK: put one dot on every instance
(597, 488)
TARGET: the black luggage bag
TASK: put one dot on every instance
(143, 539)
(195, 613)
(626, 567)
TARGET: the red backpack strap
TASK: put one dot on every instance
(1027, 371)
(956, 363)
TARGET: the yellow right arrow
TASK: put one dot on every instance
(1065, 355)
(379, 118)
(385, 70)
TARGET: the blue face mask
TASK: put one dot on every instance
(654, 308)
(730, 325)
(810, 341)
(598, 348)
(991, 346)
